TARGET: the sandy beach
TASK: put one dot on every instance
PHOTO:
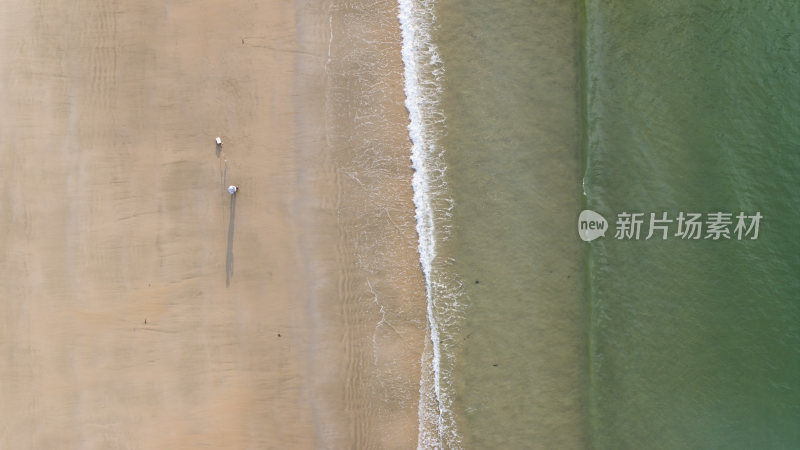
(141, 305)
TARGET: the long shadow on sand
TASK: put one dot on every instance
(229, 258)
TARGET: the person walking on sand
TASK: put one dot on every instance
(233, 189)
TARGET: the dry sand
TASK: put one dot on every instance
(141, 306)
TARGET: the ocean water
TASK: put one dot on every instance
(693, 106)
(524, 113)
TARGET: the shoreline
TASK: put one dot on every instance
(374, 330)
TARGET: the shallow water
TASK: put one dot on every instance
(502, 156)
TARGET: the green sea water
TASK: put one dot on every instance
(552, 107)
(694, 106)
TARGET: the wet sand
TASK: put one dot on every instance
(142, 305)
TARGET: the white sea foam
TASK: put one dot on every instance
(423, 74)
